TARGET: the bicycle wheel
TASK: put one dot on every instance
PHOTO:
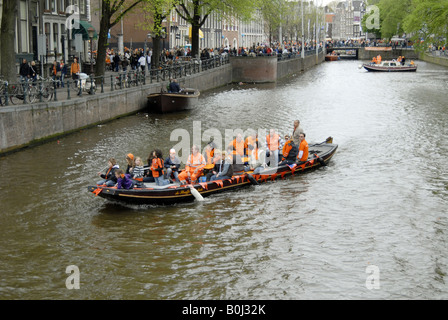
(32, 94)
(15, 94)
(47, 92)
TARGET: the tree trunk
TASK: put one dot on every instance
(8, 56)
(155, 59)
(102, 43)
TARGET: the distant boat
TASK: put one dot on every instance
(332, 57)
(389, 66)
(164, 102)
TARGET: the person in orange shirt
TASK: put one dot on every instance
(303, 149)
(156, 168)
(289, 151)
(194, 166)
(239, 146)
(272, 143)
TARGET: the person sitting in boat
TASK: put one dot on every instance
(237, 160)
(194, 166)
(174, 87)
(289, 151)
(172, 165)
(124, 181)
(157, 168)
(403, 61)
(257, 162)
(225, 169)
(239, 146)
(217, 157)
(209, 151)
(130, 162)
(138, 171)
(374, 61)
(109, 178)
(272, 143)
(303, 153)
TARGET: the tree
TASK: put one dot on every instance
(155, 11)
(112, 11)
(392, 14)
(196, 12)
(7, 37)
(428, 19)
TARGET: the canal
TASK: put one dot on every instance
(371, 225)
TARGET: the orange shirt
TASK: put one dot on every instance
(304, 149)
(273, 144)
(75, 68)
(195, 162)
(156, 163)
(239, 147)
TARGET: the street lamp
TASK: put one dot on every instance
(91, 32)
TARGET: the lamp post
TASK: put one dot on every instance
(91, 32)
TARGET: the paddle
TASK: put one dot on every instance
(252, 179)
(195, 193)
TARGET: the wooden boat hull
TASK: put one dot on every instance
(176, 194)
(374, 68)
(172, 102)
(330, 57)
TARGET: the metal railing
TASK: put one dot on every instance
(46, 90)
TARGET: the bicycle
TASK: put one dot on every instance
(46, 88)
(3, 87)
(18, 92)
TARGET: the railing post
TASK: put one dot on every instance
(68, 89)
(25, 88)
(102, 83)
(40, 90)
(55, 95)
(6, 94)
(111, 83)
(91, 91)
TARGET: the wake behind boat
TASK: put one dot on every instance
(164, 102)
(150, 193)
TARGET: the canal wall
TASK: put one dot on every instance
(30, 124)
(269, 68)
(443, 61)
(409, 54)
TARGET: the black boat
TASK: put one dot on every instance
(164, 102)
(320, 155)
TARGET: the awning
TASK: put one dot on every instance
(84, 30)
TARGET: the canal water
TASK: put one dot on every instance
(371, 225)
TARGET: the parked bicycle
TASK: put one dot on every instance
(21, 91)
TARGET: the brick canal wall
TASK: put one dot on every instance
(27, 125)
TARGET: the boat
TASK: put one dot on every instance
(332, 57)
(389, 66)
(164, 102)
(151, 194)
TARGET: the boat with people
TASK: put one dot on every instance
(332, 57)
(152, 193)
(390, 66)
(164, 102)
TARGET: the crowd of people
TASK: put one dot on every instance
(253, 154)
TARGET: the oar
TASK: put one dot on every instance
(195, 193)
(252, 179)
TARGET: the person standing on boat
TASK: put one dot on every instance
(239, 146)
(174, 86)
(296, 132)
(303, 150)
(194, 166)
(225, 169)
(172, 165)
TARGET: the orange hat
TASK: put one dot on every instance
(130, 156)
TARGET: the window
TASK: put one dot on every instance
(55, 37)
(23, 38)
